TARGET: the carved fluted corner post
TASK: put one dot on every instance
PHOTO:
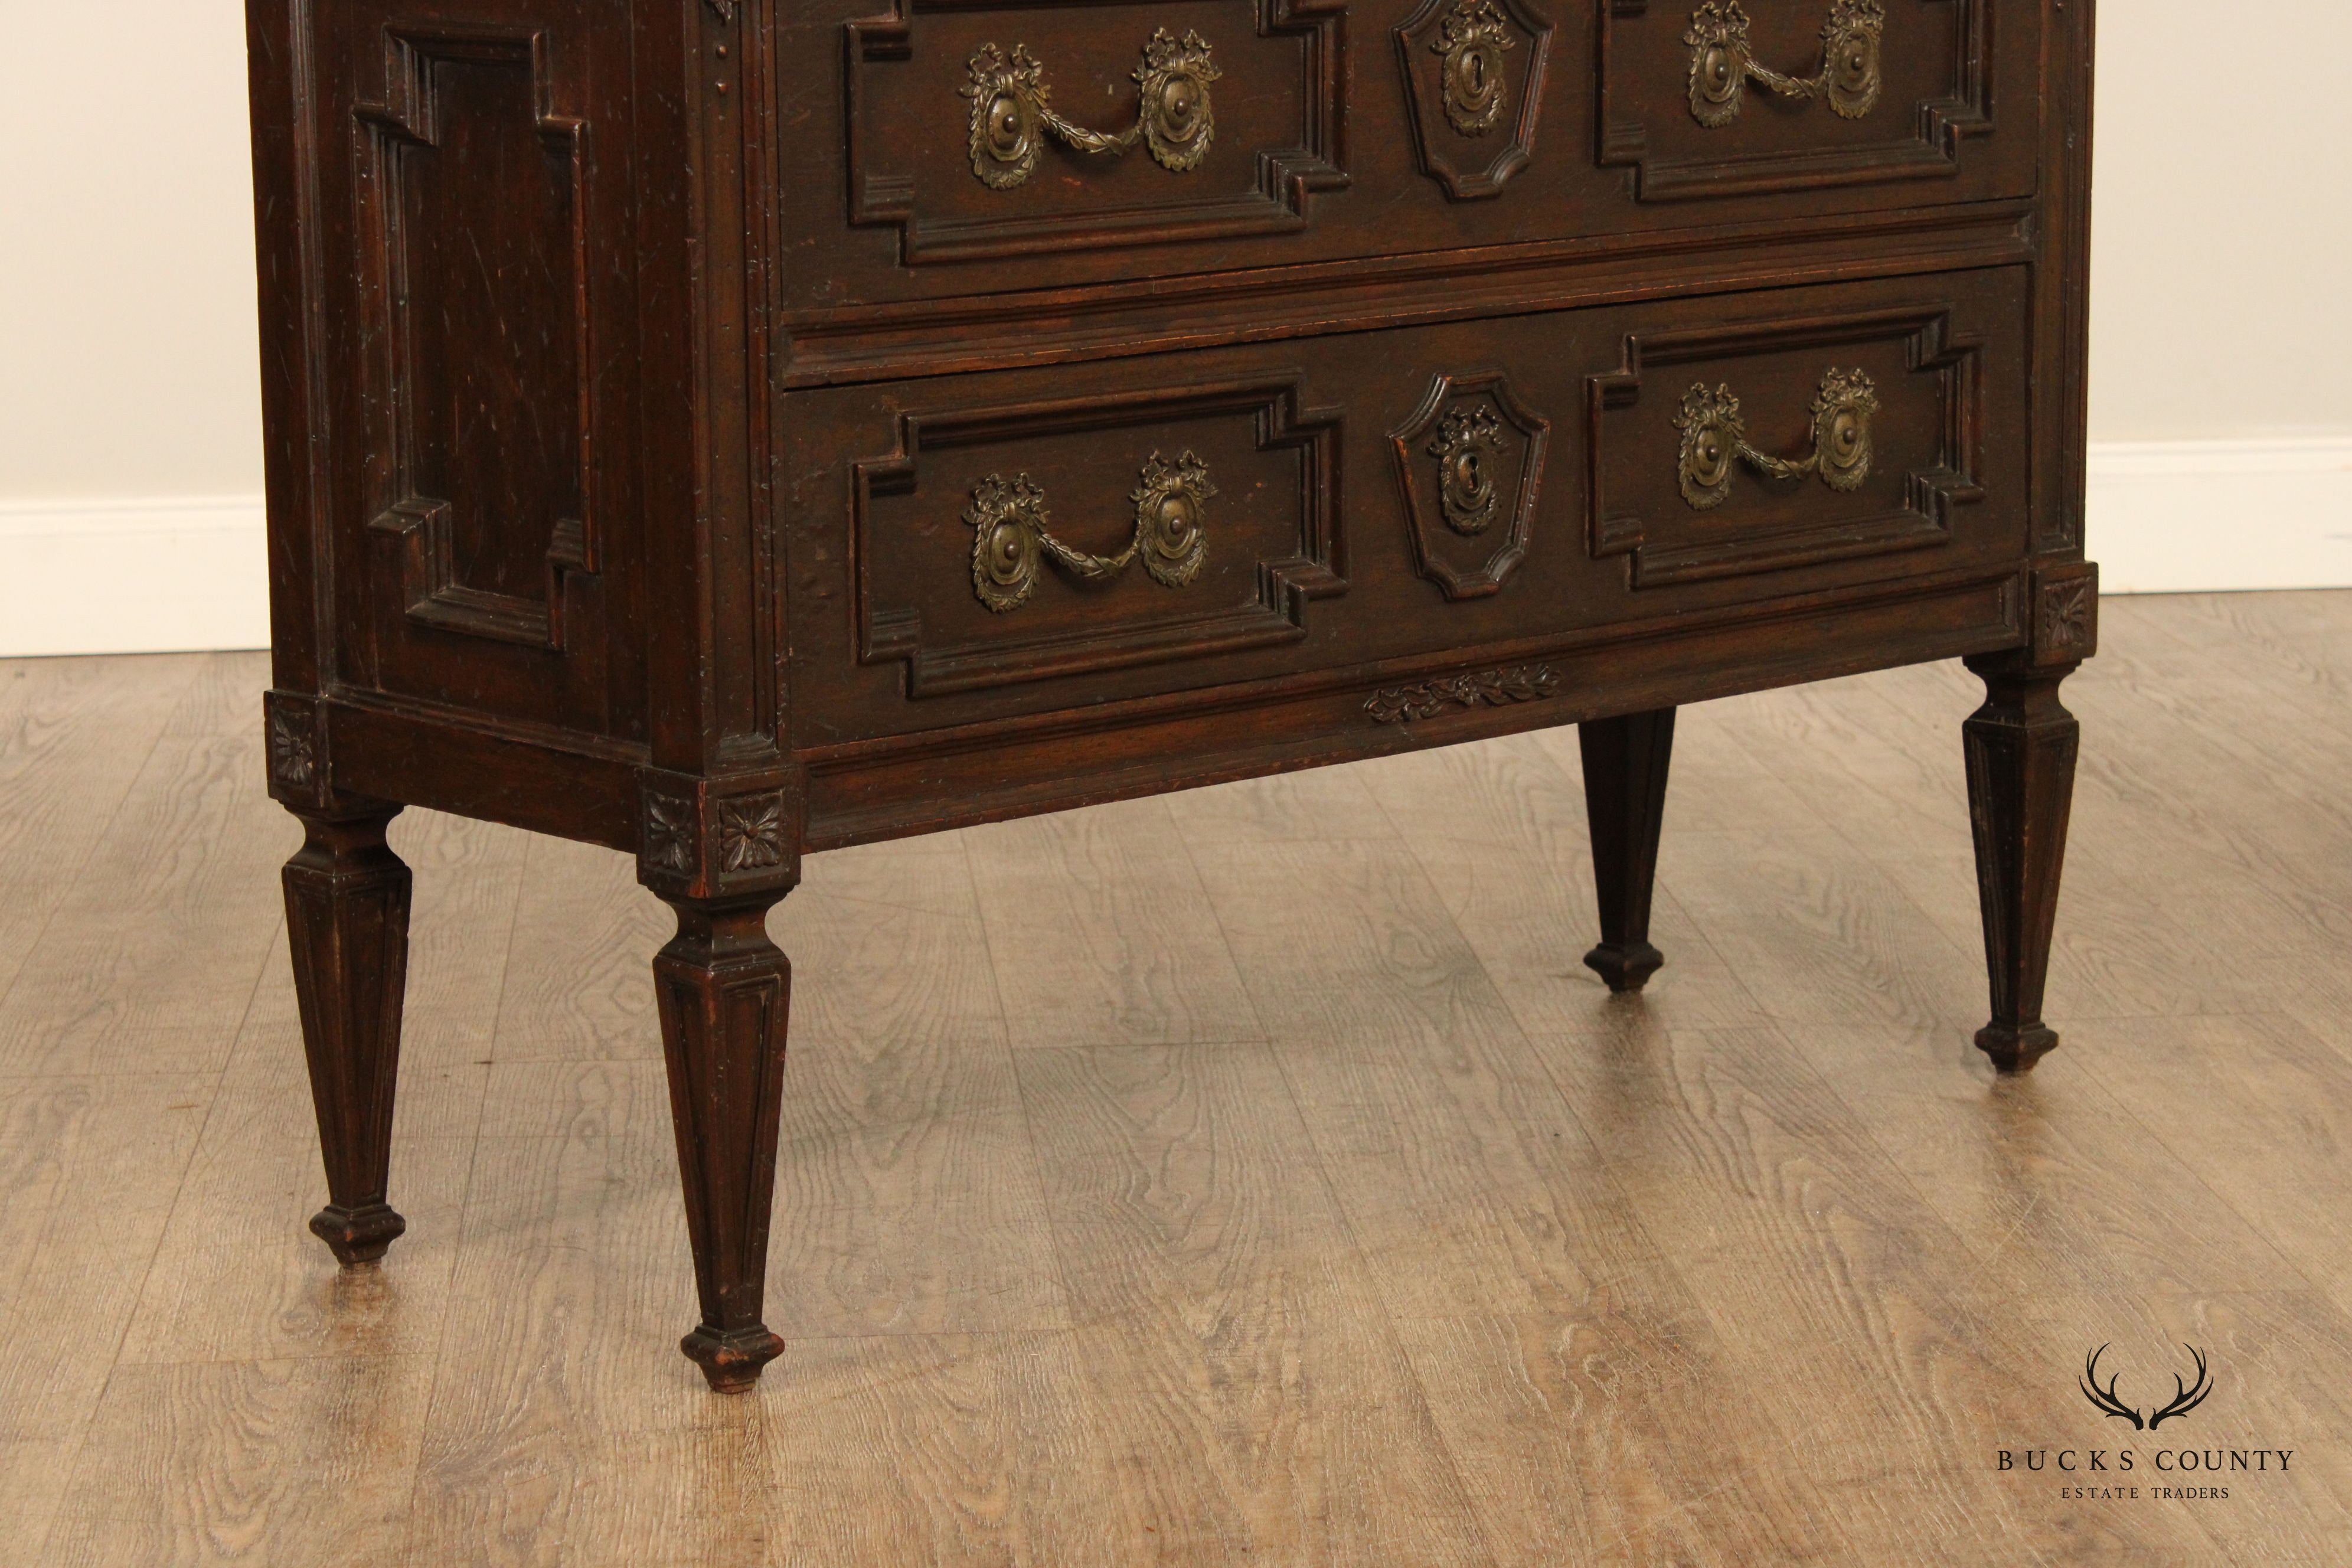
(1625, 762)
(347, 898)
(2021, 747)
(722, 854)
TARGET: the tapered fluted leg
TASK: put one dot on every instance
(725, 990)
(1625, 762)
(2021, 746)
(347, 925)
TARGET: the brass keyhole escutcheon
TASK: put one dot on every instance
(1472, 40)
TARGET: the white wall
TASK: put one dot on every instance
(2220, 413)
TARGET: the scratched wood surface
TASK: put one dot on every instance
(1248, 1176)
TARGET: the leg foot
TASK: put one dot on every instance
(2021, 747)
(1626, 965)
(347, 898)
(724, 991)
(1625, 763)
(357, 1235)
(732, 1362)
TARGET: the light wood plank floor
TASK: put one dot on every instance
(1252, 1176)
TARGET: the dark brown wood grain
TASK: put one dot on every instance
(636, 374)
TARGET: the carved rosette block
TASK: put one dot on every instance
(2066, 627)
(1473, 73)
(1492, 688)
(1470, 456)
(711, 839)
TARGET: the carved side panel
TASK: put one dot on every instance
(1004, 544)
(1681, 109)
(1794, 494)
(1468, 465)
(474, 250)
(1473, 78)
(979, 129)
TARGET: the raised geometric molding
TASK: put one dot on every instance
(1632, 440)
(1237, 190)
(479, 436)
(1473, 78)
(1922, 144)
(1266, 564)
(1471, 455)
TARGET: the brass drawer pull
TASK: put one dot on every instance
(1010, 533)
(1721, 66)
(1012, 112)
(1714, 435)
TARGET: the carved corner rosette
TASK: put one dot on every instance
(295, 724)
(2065, 613)
(1012, 111)
(1491, 689)
(712, 837)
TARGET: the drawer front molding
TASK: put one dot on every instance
(1470, 457)
(485, 523)
(1638, 105)
(1171, 537)
(1256, 190)
(1473, 83)
(1709, 434)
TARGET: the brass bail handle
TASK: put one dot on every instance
(1012, 113)
(1012, 539)
(1722, 65)
(1715, 437)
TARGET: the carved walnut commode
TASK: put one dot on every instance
(723, 431)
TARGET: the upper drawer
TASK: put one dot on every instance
(953, 147)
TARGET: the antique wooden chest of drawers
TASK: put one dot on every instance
(723, 430)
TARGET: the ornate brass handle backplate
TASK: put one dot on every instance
(1721, 66)
(1715, 436)
(1011, 538)
(1012, 112)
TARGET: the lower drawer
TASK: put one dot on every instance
(983, 547)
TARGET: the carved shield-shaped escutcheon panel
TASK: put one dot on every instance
(1473, 73)
(1468, 463)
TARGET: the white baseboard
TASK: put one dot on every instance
(170, 575)
(2175, 517)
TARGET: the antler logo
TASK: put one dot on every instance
(2186, 1397)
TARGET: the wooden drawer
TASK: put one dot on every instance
(974, 548)
(1253, 133)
